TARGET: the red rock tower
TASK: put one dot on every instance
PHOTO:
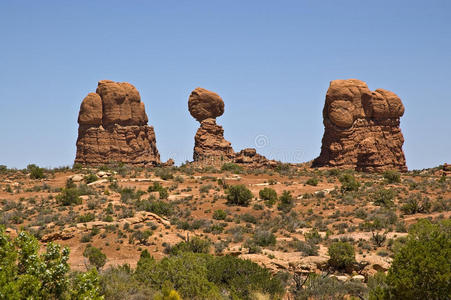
(113, 127)
(361, 128)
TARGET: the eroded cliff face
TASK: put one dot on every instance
(113, 127)
(361, 128)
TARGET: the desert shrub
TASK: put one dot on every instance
(164, 173)
(312, 181)
(204, 189)
(195, 245)
(383, 197)
(342, 256)
(35, 171)
(157, 187)
(141, 236)
(25, 273)
(320, 287)
(243, 277)
(69, 196)
(231, 167)
(219, 214)
(264, 238)
(239, 195)
(95, 256)
(86, 218)
(392, 176)
(313, 237)
(91, 178)
(286, 202)
(421, 268)
(130, 194)
(307, 248)
(416, 204)
(158, 207)
(348, 183)
(269, 195)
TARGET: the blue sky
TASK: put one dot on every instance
(271, 61)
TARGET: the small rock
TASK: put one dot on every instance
(77, 177)
(358, 278)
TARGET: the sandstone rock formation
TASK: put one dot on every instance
(209, 142)
(113, 127)
(361, 128)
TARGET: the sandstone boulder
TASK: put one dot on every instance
(209, 142)
(113, 127)
(361, 128)
(204, 104)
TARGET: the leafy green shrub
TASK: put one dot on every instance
(269, 195)
(35, 171)
(286, 202)
(69, 196)
(219, 214)
(264, 238)
(157, 187)
(348, 183)
(232, 167)
(164, 173)
(392, 176)
(130, 194)
(312, 181)
(342, 256)
(307, 248)
(384, 197)
(243, 277)
(95, 256)
(86, 218)
(141, 236)
(204, 189)
(158, 207)
(91, 178)
(239, 195)
(421, 268)
(195, 245)
(25, 273)
(416, 204)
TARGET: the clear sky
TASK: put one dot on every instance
(271, 61)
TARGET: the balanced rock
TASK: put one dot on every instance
(113, 127)
(361, 128)
(204, 104)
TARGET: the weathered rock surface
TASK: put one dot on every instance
(210, 146)
(209, 142)
(204, 104)
(361, 128)
(113, 127)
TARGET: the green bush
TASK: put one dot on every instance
(95, 256)
(269, 195)
(239, 195)
(130, 194)
(91, 178)
(421, 268)
(195, 245)
(35, 171)
(27, 273)
(231, 167)
(158, 207)
(312, 181)
(416, 204)
(156, 187)
(286, 202)
(392, 176)
(264, 238)
(219, 214)
(384, 197)
(69, 196)
(164, 173)
(349, 183)
(342, 256)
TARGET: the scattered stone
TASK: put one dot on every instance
(361, 128)
(358, 278)
(77, 177)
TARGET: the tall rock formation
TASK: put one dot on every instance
(361, 128)
(113, 127)
(210, 146)
(209, 142)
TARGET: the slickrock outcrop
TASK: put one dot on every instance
(113, 127)
(361, 128)
(209, 142)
